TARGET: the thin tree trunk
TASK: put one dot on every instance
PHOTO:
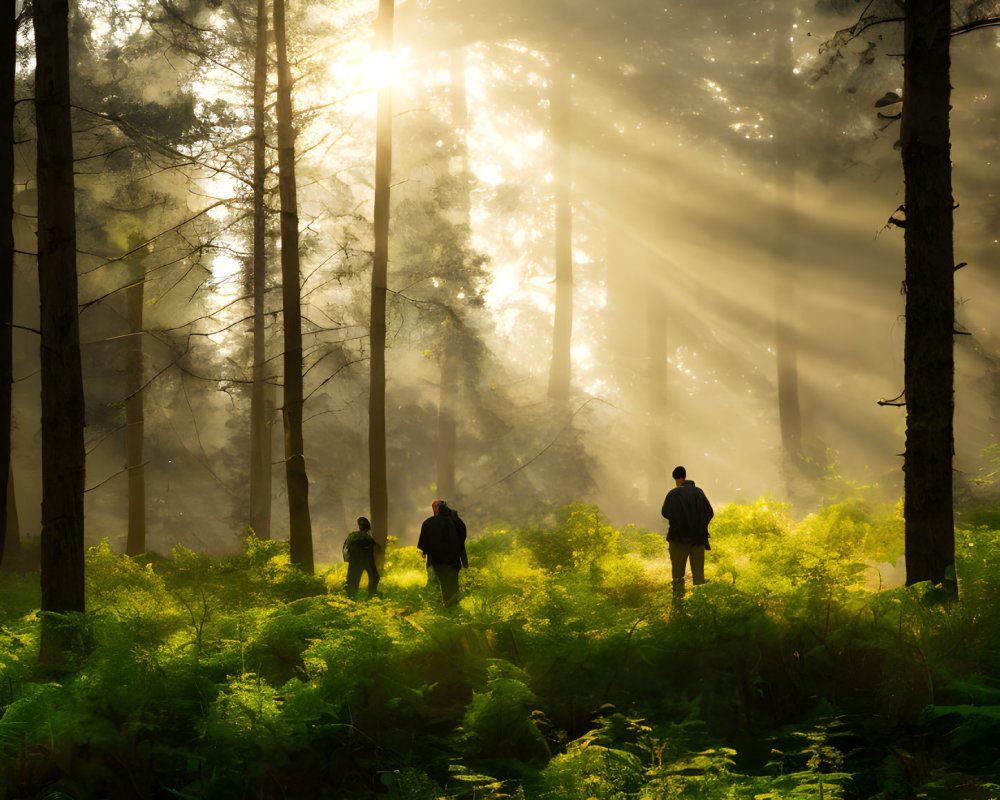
(656, 332)
(447, 429)
(786, 339)
(930, 291)
(562, 333)
(378, 481)
(63, 459)
(261, 403)
(786, 334)
(449, 349)
(8, 50)
(300, 524)
(134, 419)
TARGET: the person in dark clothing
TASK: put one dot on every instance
(688, 511)
(442, 541)
(359, 553)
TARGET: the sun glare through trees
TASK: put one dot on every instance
(451, 399)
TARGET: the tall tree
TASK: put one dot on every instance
(261, 402)
(8, 52)
(63, 459)
(135, 542)
(930, 293)
(449, 351)
(561, 121)
(11, 541)
(378, 487)
(786, 302)
(300, 524)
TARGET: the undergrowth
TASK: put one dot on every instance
(566, 671)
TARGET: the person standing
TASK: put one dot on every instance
(688, 511)
(442, 541)
(359, 553)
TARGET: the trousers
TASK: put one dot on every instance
(680, 554)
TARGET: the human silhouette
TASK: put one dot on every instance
(687, 509)
(359, 553)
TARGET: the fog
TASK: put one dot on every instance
(727, 172)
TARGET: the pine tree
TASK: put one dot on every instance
(63, 459)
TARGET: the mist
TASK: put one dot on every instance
(728, 177)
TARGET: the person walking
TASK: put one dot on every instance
(359, 553)
(442, 541)
(688, 511)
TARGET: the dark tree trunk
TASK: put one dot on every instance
(930, 306)
(8, 51)
(63, 461)
(300, 524)
(261, 398)
(562, 331)
(134, 419)
(12, 523)
(378, 481)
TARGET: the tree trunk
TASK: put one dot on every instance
(447, 429)
(786, 333)
(449, 348)
(300, 525)
(562, 333)
(8, 50)
(261, 402)
(656, 382)
(12, 523)
(928, 357)
(134, 420)
(63, 460)
(378, 481)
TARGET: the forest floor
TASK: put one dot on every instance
(566, 670)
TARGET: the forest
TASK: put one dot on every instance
(272, 266)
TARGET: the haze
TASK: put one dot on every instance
(726, 175)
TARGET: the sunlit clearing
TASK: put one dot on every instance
(405, 578)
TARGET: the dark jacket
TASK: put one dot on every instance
(359, 546)
(689, 512)
(442, 540)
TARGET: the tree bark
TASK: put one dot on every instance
(930, 308)
(261, 401)
(562, 332)
(12, 523)
(134, 419)
(63, 459)
(378, 480)
(300, 524)
(8, 51)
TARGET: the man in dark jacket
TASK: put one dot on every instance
(688, 511)
(359, 553)
(442, 541)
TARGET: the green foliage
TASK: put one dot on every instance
(578, 535)
(566, 670)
